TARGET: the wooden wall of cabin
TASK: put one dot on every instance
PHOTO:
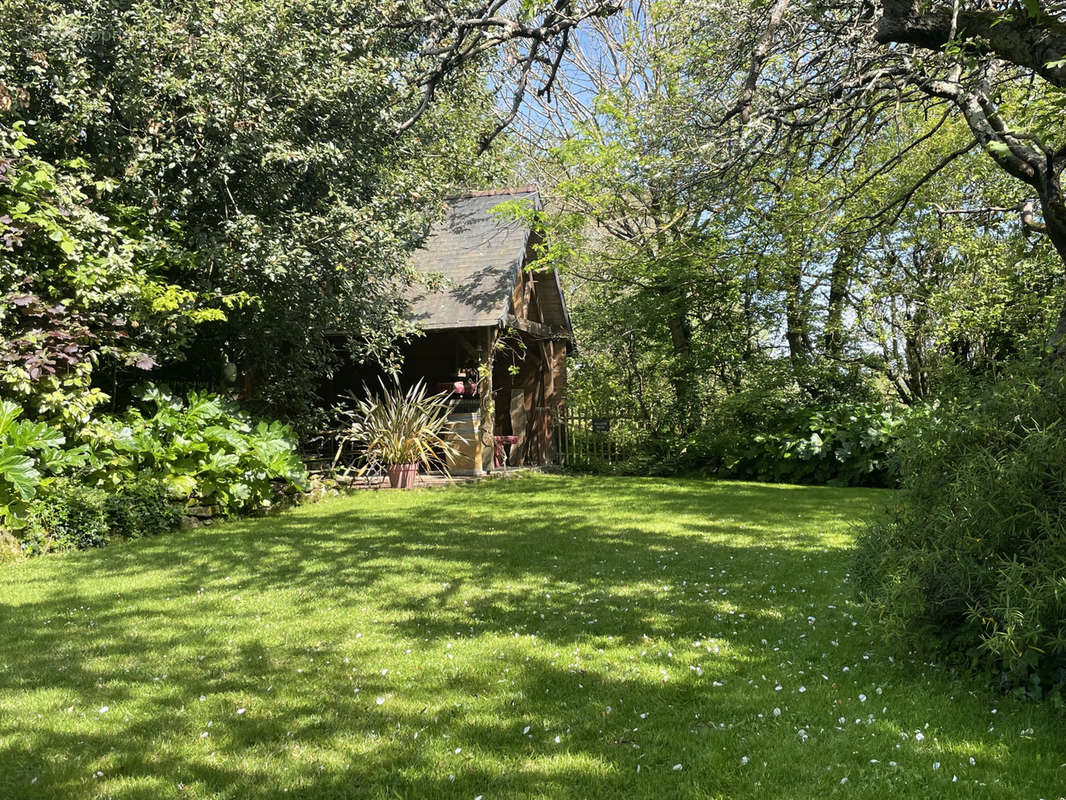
(529, 381)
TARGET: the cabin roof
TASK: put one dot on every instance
(481, 255)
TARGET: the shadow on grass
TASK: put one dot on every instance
(548, 571)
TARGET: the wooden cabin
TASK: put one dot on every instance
(495, 331)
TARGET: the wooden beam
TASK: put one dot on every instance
(471, 350)
(538, 329)
(486, 427)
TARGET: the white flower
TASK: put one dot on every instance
(525, 730)
(777, 712)
(802, 689)
(558, 739)
(240, 710)
(104, 709)
(743, 761)
(677, 767)
(936, 765)
(203, 735)
(862, 698)
(918, 736)
(380, 700)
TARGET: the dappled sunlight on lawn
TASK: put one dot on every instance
(535, 637)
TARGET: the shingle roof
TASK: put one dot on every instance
(480, 255)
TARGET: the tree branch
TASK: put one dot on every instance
(1032, 41)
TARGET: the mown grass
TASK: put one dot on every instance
(550, 637)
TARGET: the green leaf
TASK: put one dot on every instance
(18, 470)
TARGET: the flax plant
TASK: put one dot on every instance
(401, 427)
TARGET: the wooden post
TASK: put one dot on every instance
(487, 427)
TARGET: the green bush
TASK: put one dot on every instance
(143, 508)
(28, 452)
(852, 445)
(69, 517)
(972, 556)
(839, 446)
(204, 450)
(129, 475)
(73, 516)
(760, 436)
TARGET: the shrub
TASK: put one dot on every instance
(401, 426)
(141, 509)
(849, 445)
(26, 450)
(73, 516)
(122, 479)
(203, 450)
(69, 517)
(971, 558)
(841, 446)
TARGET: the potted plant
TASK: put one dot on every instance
(403, 430)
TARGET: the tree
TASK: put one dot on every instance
(631, 221)
(82, 286)
(868, 250)
(830, 76)
(296, 151)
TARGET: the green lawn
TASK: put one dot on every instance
(539, 637)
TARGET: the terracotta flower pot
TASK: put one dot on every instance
(402, 476)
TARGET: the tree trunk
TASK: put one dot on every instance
(1053, 206)
(839, 278)
(683, 378)
(487, 410)
(1037, 42)
(796, 333)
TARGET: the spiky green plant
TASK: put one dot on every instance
(403, 427)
